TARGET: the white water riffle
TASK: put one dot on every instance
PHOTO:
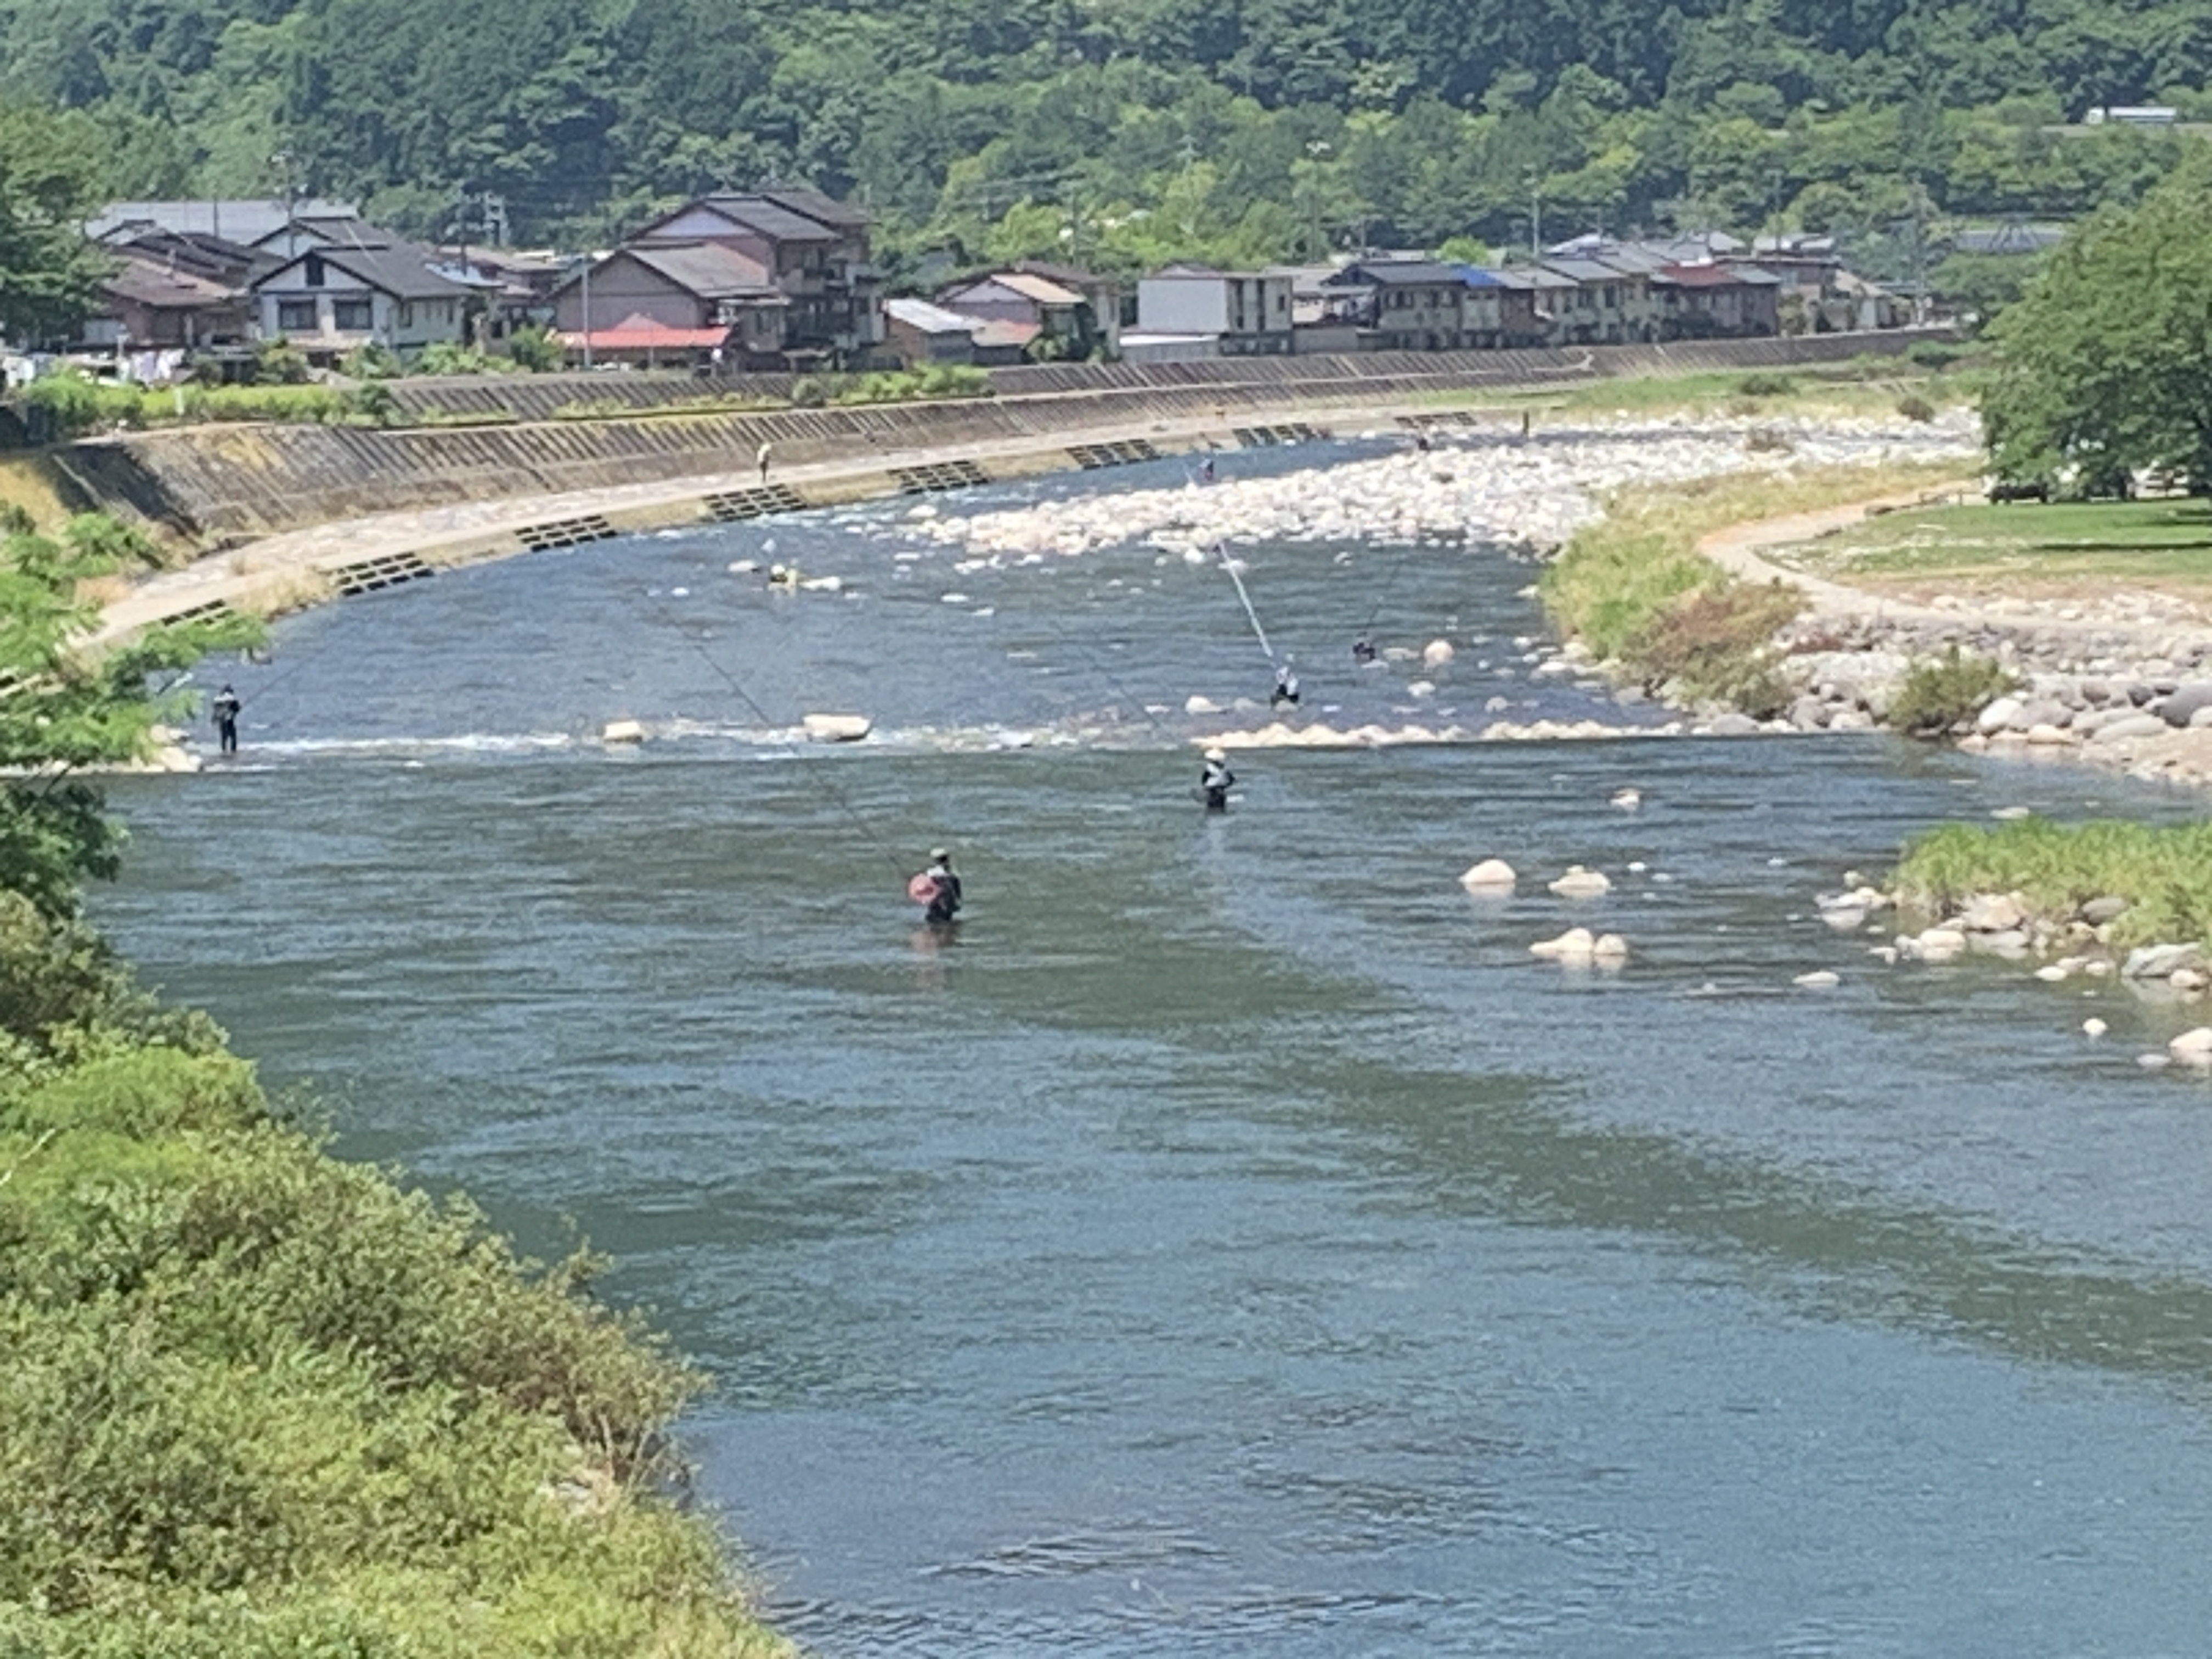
(1534, 493)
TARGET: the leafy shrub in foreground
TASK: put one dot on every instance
(1765, 384)
(1949, 692)
(1714, 644)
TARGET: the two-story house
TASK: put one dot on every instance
(1535, 305)
(815, 251)
(674, 301)
(1706, 300)
(1419, 304)
(1242, 312)
(329, 301)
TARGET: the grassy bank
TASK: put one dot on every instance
(1862, 386)
(257, 1401)
(1634, 588)
(2164, 873)
(2026, 548)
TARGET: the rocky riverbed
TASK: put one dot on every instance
(1530, 492)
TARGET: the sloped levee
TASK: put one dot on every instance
(238, 482)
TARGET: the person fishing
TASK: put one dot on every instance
(1214, 780)
(1286, 687)
(762, 456)
(1362, 652)
(1206, 470)
(223, 709)
(785, 576)
(945, 888)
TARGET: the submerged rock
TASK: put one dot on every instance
(1819, 979)
(835, 728)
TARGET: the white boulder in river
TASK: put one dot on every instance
(835, 728)
(622, 732)
(2194, 1047)
(1579, 883)
(1491, 876)
(1435, 653)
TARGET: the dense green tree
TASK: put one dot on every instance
(50, 181)
(2104, 364)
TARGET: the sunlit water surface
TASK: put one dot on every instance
(1233, 1242)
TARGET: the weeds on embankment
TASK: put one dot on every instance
(2163, 871)
(1634, 588)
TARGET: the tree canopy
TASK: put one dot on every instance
(2105, 362)
(50, 178)
(1113, 131)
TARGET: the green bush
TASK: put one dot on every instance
(1914, 407)
(537, 350)
(1934, 353)
(1765, 384)
(1940, 696)
(75, 403)
(2164, 871)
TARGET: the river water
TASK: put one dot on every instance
(1233, 1242)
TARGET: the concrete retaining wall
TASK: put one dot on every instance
(238, 482)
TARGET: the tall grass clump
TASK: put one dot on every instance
(1941, 696)
(1634, 588)
(2163, 871)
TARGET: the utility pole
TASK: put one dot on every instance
(1536, 214)
(588, 307)
(282, 159)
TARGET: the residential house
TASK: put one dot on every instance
(920, 332)
(1482, 307)
(1109, 304)
(1419, 304)
(1610, 306)
(1857, 302)
(1533, 307)
(328, 303)
(1243, 313)
(154, 305)
(1706, 301)
(697, 289)
(1806, 266)
(241, 222)
(815, 251)
(1048, 320)
(1326, 319)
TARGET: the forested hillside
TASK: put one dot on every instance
(1124, 130)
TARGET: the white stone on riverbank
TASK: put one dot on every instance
(1491, 876)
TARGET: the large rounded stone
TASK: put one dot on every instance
(2181, 704)
(1491, 876)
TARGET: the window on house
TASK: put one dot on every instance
(406, 314)
(295, 316)
(353, 316)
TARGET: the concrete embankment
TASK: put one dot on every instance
(228, 484)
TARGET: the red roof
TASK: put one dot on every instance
(637, 332)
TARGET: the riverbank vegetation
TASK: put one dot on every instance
(2164, 873)
(1941, 694)
(1634, 588)
(1869, 386)
(256, 1403)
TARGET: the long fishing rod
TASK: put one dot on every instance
(1229, 565)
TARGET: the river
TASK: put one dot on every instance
(1233, 1242)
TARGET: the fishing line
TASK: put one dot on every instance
(867, 831)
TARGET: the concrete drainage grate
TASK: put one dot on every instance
(942, 475)
(1123, 452)
(1267, 437)
(564, 532)
(732, 505)
(385, 570)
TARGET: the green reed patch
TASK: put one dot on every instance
(2163, 871)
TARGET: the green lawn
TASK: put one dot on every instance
(2165, 543)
